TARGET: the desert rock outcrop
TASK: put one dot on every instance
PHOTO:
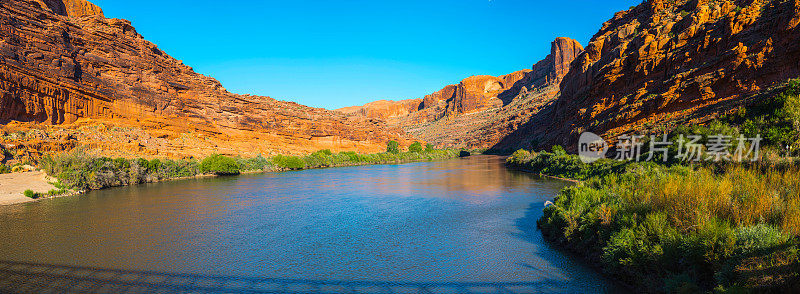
(62, 61)
(667, 62)
(480, 110)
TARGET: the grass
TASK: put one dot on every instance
(677, 226)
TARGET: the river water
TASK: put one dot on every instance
(451, 226)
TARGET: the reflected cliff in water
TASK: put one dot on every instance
(432, 226)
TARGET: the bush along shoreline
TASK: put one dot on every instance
(80, 171)
(671, 226)
(677, 229)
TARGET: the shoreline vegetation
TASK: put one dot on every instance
(671, 226)
(79, 171)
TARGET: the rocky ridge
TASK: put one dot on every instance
(480, 110)
(662, 63)
(62, 62)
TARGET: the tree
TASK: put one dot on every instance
(429, 147)
(416, 147)
(393, 147)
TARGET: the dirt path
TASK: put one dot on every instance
(13, 185)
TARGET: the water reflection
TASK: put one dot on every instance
(457, 222)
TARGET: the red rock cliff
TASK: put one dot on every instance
(477, 102)
(61, 60)
(668, 61)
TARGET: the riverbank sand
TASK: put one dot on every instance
(12, 186)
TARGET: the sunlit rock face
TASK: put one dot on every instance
(62, 61)
(665, 62)
(480, 110)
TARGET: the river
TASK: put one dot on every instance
(451, 226)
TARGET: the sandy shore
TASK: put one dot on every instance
(13, 185)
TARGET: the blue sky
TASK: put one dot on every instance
(333, 54)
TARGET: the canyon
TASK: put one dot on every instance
(667, 63)
(480, 110)
(69, 76)
(649, 69)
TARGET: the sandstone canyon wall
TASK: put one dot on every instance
(480, 110)
(664, 63)
(63, 63)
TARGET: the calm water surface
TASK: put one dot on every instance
(457, 221)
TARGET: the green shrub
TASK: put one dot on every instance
(416, 147)
(558, 150)
(220, 165)
(4, 169)
(289, 162)
(258, 163)
(759, 237)
(651, 223)
(30, 194)
(429, 147)
(393, 147)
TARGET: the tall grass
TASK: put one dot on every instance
(665, 228)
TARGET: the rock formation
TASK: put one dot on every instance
(556, 65)
(666, 62)
(62, 61)
(480, 110)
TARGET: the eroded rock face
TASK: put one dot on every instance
(668, 61)
(491, 103)
(61, 61)
(556, 65)
(72, 8)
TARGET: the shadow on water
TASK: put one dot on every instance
(18, 277)
(529, 231)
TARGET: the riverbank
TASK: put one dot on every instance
(82, 172)
(13, 185)
(671, 228)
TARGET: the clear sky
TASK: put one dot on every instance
(333, 54)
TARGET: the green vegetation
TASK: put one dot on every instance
(326, 158)
(80, 171)
(220, 165)
(679, 226)
(393, 147)
(777, 119)
(4, 169)
(671, 228)
(429, 147)
(30, 194)
(416, 147)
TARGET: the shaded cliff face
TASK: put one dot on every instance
(480, 110)
(666, 62)
(61, 61)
